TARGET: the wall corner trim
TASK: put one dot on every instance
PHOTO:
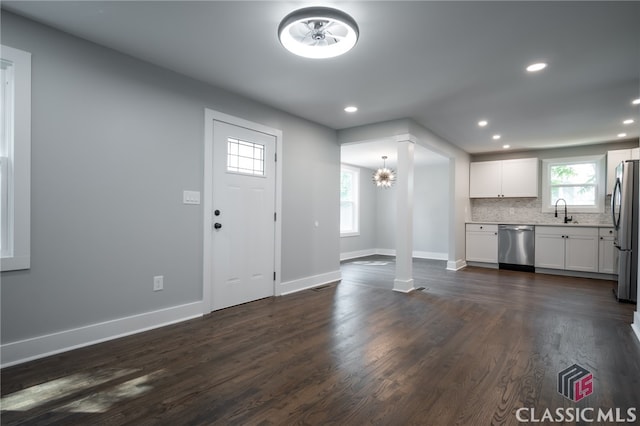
(456, 265)
(636, 324)
(50, 344)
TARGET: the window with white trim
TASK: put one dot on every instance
(349, 201)
(15, 158)
(579, 181)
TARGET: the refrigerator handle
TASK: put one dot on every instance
(614, 196)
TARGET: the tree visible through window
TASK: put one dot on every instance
(349, 200)
(579, 181)
(576, 183)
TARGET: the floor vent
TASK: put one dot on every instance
(322, 287)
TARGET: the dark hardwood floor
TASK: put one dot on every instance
(470, 349)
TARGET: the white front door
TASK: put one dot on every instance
(243, 228)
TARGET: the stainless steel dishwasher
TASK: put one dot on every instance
(516, 247)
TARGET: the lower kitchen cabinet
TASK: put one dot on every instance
(607, 252)
(572, 248)
(482, 243)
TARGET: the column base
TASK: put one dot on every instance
(403, 286)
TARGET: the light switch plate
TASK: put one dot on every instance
(191, 197)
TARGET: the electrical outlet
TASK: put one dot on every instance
(158, 283)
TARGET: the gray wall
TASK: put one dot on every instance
(431, 213)
(387, 209)
(115, 141)
(459, 207)
(576, 151)
(368, 216)
(431, 209)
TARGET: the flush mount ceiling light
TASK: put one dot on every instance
(496, 137)
(384, 177)
(351, 109)
(482, 123)
(628, 121)
(318, 32)
(622, 135)
(536, 67)
(635, 102)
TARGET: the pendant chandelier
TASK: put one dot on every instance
(384, 177)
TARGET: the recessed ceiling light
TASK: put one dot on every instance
(536, 67)
(622, 135)
(318, 32)
(496, 137)
(628, 121)
(351, 109)
(636, 101)
(482, 123)
(506, 146)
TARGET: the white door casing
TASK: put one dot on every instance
(241, 253)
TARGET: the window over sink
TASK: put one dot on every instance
(579, 181)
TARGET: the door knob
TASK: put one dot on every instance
(217, 225)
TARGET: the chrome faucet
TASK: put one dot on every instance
(566, 219)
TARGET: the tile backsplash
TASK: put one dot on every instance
(527, 211)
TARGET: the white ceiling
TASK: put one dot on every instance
(370, 154)
(444, 64)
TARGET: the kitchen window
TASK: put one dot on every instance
(579, 181)
(15, 158)
(349, 201)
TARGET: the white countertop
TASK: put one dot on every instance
(586, 225)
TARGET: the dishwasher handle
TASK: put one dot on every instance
(524, 228)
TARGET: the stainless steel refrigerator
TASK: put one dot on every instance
(624, 208)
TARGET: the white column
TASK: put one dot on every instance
(404, 221)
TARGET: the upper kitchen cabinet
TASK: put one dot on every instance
(505, 178)
(614, 158)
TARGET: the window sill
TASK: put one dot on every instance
(573, 209)
(15, 263)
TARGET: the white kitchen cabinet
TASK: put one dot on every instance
(607, 252)
(505, 178)
(549, 251)
(482, 243)
(572, 248)
(485, 179)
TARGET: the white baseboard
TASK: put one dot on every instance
(39, 347)
(386, 252)
(456, 265)
(356, 254)
(430, 255)
(636, 324)
(392, 252)
(309, 282)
